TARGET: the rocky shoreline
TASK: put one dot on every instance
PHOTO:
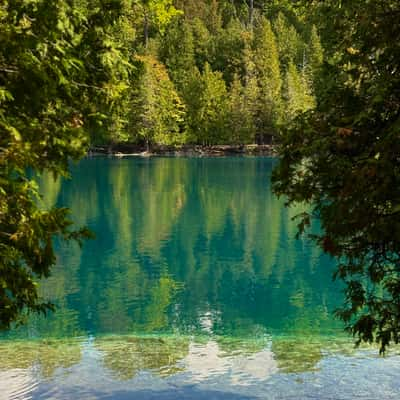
(125, 150)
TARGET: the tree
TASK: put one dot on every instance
(213, 17)
(267, 67)
(157, 108)
(241, 125)
(288, 41)
(207, 106)
(343, 160)
(156, 12)
(229, 46)
(251, 90)
(202, 42)
(177, 51)
(47, 87)
(299, 98)
(109, 121)
(315, 55)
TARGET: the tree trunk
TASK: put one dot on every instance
(146, 29)
(251, 14)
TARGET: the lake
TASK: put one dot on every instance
(194, 288)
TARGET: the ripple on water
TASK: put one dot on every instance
(17, 384)
(161, 367)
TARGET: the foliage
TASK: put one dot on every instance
(343, 159)
(54, 57)
(159, 112)
(219, 34)
(75, 73)
(288, 41)
(207, 110)
(266, 61)
(240, 117)
(299, 98)
(177, 51)
(154, 12)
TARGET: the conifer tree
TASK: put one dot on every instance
(315, 50)
(207, 107)
(202, 41)
(177, 51)
(251, 89)
(315, 57)
(158, 110)
(298, 93)
(214, 18)
(288, 41)
(267, 66)
(241, 125)
(228, 56)
(343, 161)
(60, 70)
(192, 97)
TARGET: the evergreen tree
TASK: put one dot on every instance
(298, 93)
(229, 46)
(158, 110)
(203, 42)
(343, 159)
(315, 57)
(266, 60)
(251, 90)
(207, 107)
(241, 125)
(177, 51)
(213, 18)
(315, 50)
(288, 40)
(59, 69)
(193, 9)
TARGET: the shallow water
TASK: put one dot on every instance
(194, 288)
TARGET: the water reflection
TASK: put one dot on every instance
(44, 356)
(195, 277)
(242, 366)
(243, 361)
(177, 240)
(144, 367)
(128, 356)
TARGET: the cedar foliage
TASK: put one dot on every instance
(343, 159)
(61, 68)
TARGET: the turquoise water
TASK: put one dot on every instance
(195, 287)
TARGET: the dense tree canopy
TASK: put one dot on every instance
(204, 46)
(343, 158)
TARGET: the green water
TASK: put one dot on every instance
(195, 278)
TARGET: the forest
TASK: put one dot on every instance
(176, 72)
(212, 72)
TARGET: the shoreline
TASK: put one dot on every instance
(126, 150)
